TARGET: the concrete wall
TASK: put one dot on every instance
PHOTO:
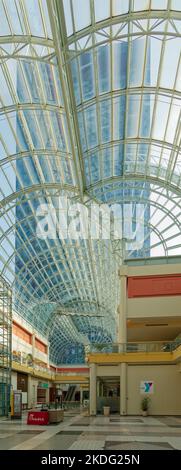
(167, 389)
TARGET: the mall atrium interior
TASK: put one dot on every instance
(90, 222)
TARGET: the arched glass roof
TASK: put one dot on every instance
(90, 112)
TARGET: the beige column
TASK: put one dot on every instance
(122, 337)
(122, 309)
(81, 396)
(98, 388)
(123, 388)
(30, 392)
(33, 346)
(48, 355)
(93, 389)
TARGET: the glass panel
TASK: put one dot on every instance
(176, 5)
(170, 63)
(48, 83)
(7, 98)
(161, 117)
(91, 126)
(137, 62)
(133, 116)
(82, 131)
(74, 68)
(82, 16)
(102, 9)
(86, 169)
(119, 110)
(147, 72)
(159, 4)
(5, 30)
(120, 8)
(118, 160)
(155, 48)
(140, 5)
(14, 18)
(68, 17)
(105, 116)
(104, 68)
(32, 79)
(47, 19)
(120, 65)
(58, 129)
(178, 83)
(107, 162)
(145, 117)
(94, 164)
(87, 75)
(34, 17)
(173, 121)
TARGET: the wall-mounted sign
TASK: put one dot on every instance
(43, 385)
(22, 358)
(147, 386)
(16, 404)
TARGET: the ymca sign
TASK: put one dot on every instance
(147, 386)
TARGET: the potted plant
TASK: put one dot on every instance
(145, 405)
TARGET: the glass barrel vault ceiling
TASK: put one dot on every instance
(90, 109)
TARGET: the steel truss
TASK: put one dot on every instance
(5, 346)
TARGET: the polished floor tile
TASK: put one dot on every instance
(78, 431)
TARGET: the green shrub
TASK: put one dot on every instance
(145, 403)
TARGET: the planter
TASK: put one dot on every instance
(145, 413)
(56, 416)
(106, 410)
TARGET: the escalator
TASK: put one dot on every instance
(70, 393)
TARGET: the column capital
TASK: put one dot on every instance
(123, 271)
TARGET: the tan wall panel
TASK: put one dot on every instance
(108, 371)
(153, 270)
(154, 307)
(167, 389)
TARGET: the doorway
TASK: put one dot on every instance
(108, 394)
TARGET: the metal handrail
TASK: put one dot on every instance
(148, 346)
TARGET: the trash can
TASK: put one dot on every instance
(106, 410)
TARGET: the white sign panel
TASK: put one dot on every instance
(147, 386)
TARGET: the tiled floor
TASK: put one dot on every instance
(82, 432)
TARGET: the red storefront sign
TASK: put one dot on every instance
(38, 417)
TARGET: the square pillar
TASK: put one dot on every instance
(123, 389)
(93, 389)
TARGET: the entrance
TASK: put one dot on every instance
(108, 394)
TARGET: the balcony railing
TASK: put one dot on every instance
(147, 347)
